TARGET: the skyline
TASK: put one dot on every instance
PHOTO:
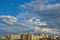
(19, 16)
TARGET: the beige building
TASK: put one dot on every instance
(30, 36)
(38, 37)
(13, 37)
(23, 37)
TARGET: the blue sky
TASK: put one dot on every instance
(11, 7)
(36, 16)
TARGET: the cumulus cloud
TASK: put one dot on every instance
(36, 21)
(35, 24)
(49, 30)
(45, 30)
(10, 20)
(40, 9)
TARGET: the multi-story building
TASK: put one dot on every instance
(55, 36)
(37, 37)
(23, 37)
(30, 36)
(40, 36)
(13, 37)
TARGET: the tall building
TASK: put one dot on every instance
(30, 36)
(8, 37)
(23, 37)
(55, 36)
(13, 37)
(47, 35)
(36, 37)
(40, 36)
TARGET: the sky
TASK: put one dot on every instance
(23, 16)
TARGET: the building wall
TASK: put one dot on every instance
(28, 36)
(23, 37)
(13, 37)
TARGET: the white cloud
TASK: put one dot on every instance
(36, 21)
(31, 19)
(40, 5)
(10, 20)
(50, 7)
(40, 8)
(33, 23)
(46, 30)
(37, 29)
